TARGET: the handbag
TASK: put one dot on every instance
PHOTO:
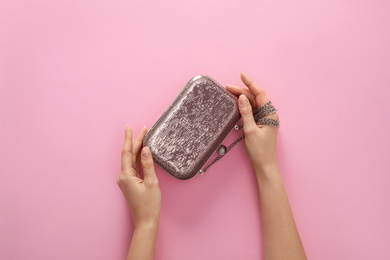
(193, 127)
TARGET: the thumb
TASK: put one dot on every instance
(246, 113)
(147, 164)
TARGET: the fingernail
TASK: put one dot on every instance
(146, 152)
(244, 74)
(243, 100)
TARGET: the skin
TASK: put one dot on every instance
(143, 195)
(280, 234)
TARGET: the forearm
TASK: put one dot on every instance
(280, 235)
(143, 242)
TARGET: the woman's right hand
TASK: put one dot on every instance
(260, 140)
(280, 234)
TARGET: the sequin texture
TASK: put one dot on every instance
(193, 127)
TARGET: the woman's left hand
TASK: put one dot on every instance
(143, 195)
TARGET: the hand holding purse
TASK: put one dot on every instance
(193, 127)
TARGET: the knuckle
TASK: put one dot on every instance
(274, 116)
(262, 91)
(153, 182)
(249, 130)
(147, 164)
(122, 179)
(246, 110)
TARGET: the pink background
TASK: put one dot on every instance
(73, 73)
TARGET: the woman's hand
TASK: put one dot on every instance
(142, 195)
(280, 235)
(260, 140)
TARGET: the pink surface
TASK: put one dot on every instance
(74, 73)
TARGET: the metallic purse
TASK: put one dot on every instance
(193, 127)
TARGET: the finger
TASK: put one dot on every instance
(127, 150)
(137, 147)
(238, 91)
(246, 113)
(260, 96)
(274, 116)
(148, 165)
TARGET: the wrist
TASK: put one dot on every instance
(145, 225)
(268, 171)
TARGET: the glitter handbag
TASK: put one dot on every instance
(193, 127)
